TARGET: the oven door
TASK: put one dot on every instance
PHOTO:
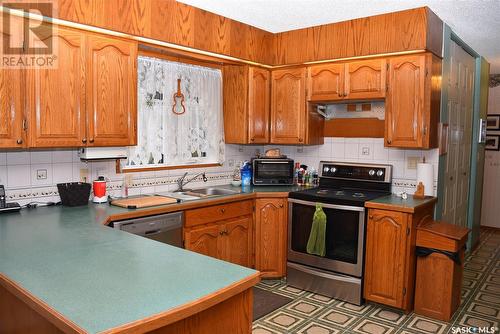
(345, 229)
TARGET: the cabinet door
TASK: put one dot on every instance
(385, 257)
(56, 103)
(326, 82)
(365, 79)
(203, 240)
(237, 240)
(11, 113)
(112, 92)
(288, 110)
(404, 106)
(11, 107)
(270, 236)
(259, 91)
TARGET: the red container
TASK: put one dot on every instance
(99, 188)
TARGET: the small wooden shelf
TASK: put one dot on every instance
(355, 127)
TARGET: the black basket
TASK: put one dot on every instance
(74, 194)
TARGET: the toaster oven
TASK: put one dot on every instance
(272, 171)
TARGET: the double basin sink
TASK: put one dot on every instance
(195, 194)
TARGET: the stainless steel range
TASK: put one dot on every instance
(343, 190)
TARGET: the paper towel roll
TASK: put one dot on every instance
(425, 174)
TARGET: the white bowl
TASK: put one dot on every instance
(236, 183)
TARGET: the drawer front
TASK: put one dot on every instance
(216, 213)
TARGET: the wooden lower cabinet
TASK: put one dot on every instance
(226, 239)
(271, 236)
(385, 257)
(203, 240)
(236, 241)
(390, 260)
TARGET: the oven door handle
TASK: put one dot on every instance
(272, 162)
(328, 206)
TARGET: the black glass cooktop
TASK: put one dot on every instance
(340, 196)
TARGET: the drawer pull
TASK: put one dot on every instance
(281, 205)
(223, 210)
(19, 141)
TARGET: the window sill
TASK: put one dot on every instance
(120, 170)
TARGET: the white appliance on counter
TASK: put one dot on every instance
(102, 153)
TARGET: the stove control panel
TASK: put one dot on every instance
(364, 172)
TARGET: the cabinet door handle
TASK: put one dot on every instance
(221, 232)
(84, 140)
(389, 141)
(301, 140)
(345, 94)
(281, 205)
(19, 141)
(371, 217)
(223, 210)
(252, 139)
(425, 130)
(91, 140)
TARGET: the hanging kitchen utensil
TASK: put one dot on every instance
(178, 108)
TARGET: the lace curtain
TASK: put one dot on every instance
(167, 139)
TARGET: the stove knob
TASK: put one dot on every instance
(380, 173)
(333, 170)
(326, 169)
(371, 172)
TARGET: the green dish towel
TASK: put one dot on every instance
(316, 242)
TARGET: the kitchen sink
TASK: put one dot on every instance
(211, 192)
(194, 194)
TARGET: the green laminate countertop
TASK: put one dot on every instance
(98, 277)
(396, 203)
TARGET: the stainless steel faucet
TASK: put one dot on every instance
(181, 182)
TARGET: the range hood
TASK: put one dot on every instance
(102, 153)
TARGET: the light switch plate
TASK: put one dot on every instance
(84, 174)
(412, 162)
(365, 150)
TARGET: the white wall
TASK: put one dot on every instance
(490, 211)
(18, 170)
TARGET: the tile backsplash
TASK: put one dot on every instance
(32, 176)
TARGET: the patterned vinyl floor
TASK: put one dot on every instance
(315, 314)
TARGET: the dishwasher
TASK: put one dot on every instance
(166, 228)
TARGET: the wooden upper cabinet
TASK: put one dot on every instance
(12, 114)
(385, 257)
(288, 106)
(111, 91)
(326, 82)
(259, 103)
(405, 101)
(365, 79)
(12, 118)
(270, 236)
(413, 101)
(246, 94)
(56, 99)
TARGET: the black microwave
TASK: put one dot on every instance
(272, 171)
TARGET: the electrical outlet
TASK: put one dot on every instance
(412, 162)
(102, 172)
(230, 162)
(365, 151)
(41, 174)
(84, 175)
(300, 149)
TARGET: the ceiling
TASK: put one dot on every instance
(477, 22)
